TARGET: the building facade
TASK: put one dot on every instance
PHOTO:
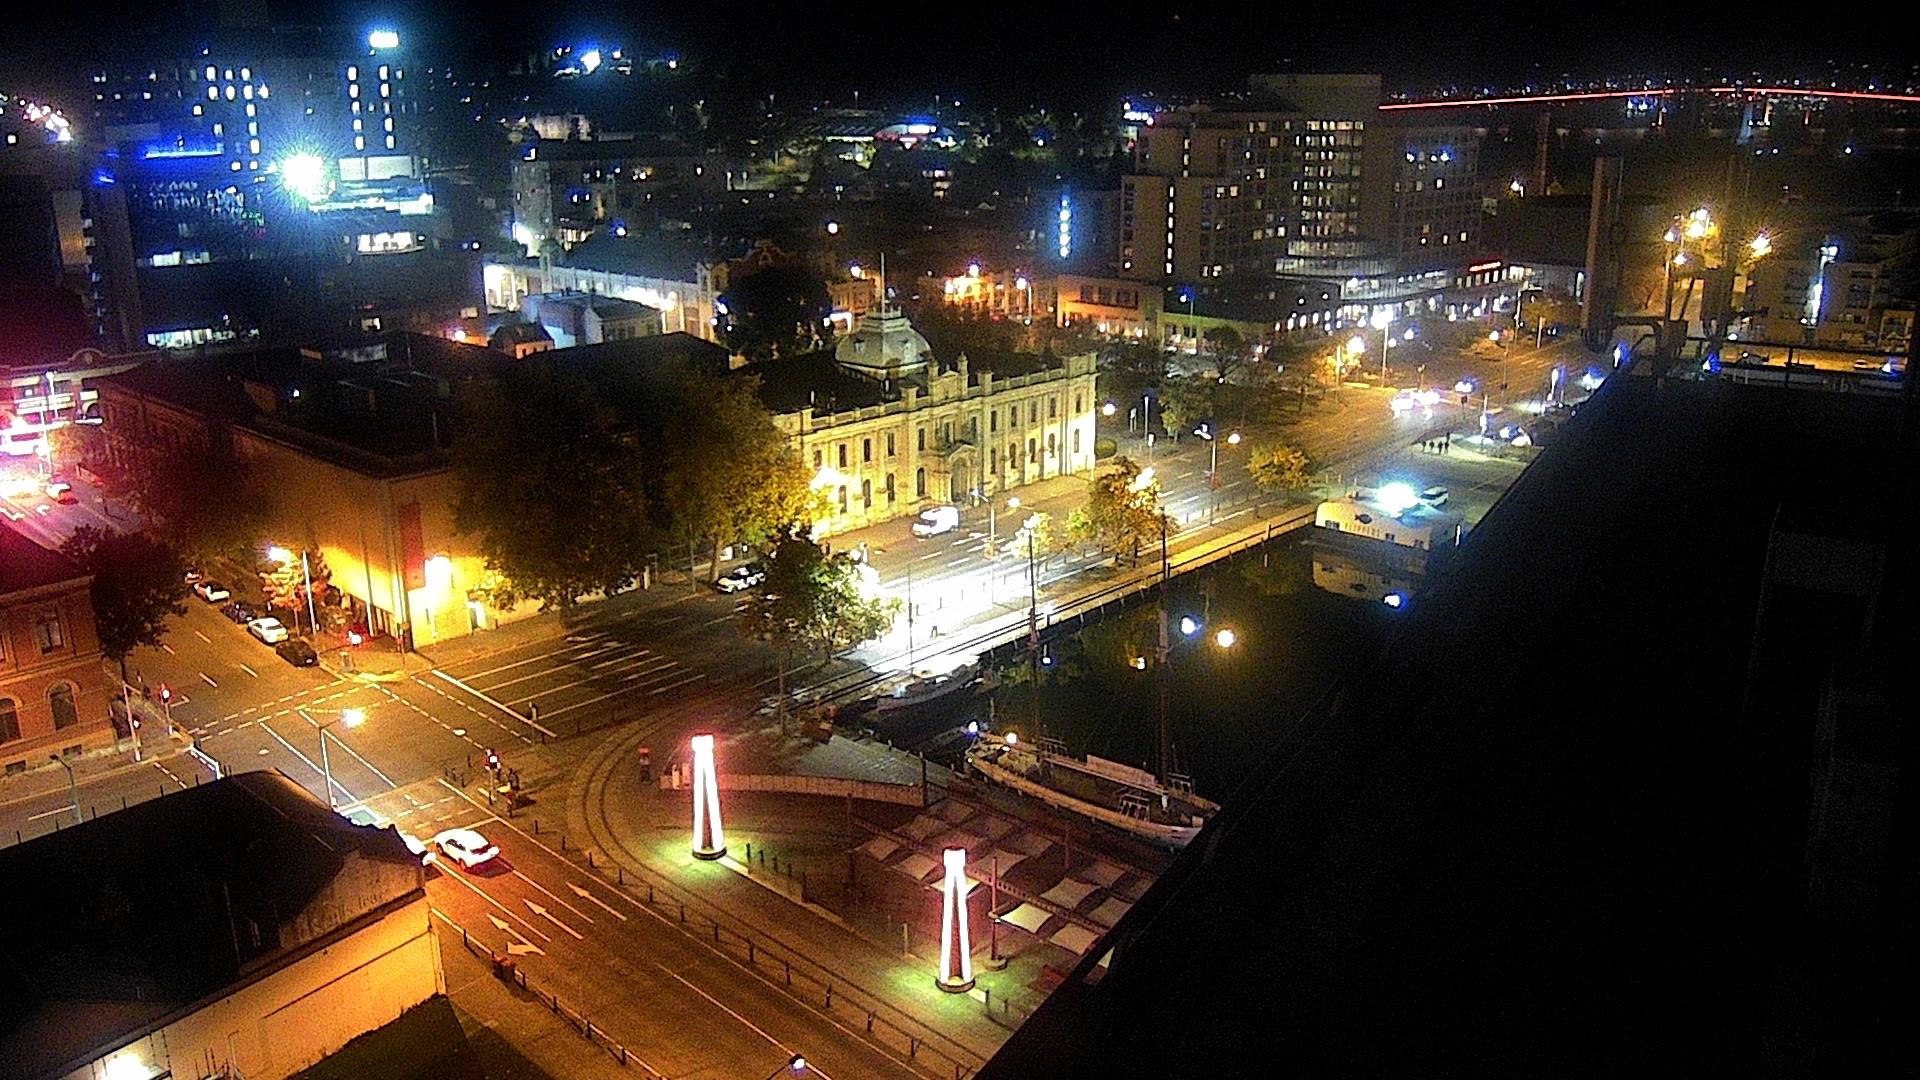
(886, 430)
(684, 292)
(53, 685)
(564, 192)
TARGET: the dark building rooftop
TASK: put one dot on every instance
(24, 564)
(123, 923)
(650, 256)
(1628, 793)
(380, 404)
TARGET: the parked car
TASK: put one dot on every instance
(1434, 496)
(211, 591)
(935, 520)
(239, 613)
(62, 492)
(297, 652)
(194, 577)
(741, 577)
(269, 630)
(466, 847)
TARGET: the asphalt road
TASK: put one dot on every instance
(687, 1008)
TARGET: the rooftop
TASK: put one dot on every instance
(1560, 825)
(25, 565)
(146, 914)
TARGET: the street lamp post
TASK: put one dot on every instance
(795, 1064)
(283, 556)
(350, 717)
(73, 786)
(1383, 322)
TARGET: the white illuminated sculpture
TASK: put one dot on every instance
(956, 945)
(709, 840)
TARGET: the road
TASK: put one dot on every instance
(688, 1008)
(664, 662)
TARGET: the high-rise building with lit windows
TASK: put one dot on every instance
(1236, 186)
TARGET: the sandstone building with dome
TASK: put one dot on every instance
(886, 429)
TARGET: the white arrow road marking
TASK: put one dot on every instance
(518, 947)
(585, 895)
(548, 915)
(557, 898)
(484, 895)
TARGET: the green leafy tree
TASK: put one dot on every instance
(776, 309)
(1122, 512)
(729, 475)
(1280, 469)
(548, 480)
(1227, 352)
(814, 602)
(139, 583)
(198, 500)
(1184, 403)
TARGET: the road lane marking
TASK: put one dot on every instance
(249, 671)
(209, 679)
(961, 561)
(549, 916)
(169, 649)
(68, 809)
(318, 771)
(483, 697)
(585, 895)
(695, 677)
(556, 896)
(755, 1028)
(451, 874)
(521, 946)
(203, 637)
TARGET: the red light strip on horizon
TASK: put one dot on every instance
(1596, 95)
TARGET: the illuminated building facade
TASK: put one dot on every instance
(565, 192)
(53, 685)
(682, 289)
(887, 430)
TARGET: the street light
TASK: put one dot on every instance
(1026, 286)
(1382, 321)
(73, 786)
(1213, 467)
(350, 717)
(1225, 638)
(1109, 409)
(283, 557)
(795, 1064)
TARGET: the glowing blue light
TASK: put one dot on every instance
(383, 39)
(1188, 625)
(1393, 599)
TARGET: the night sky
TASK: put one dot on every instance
(1063, 53)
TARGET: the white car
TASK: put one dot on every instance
(935, 520)
(466, 847)
(1435, 496)
(741, 577)
(268, 630)
(211, 591)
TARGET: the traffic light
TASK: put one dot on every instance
(166, 694)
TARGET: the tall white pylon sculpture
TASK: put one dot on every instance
(709, 840)
(956, 945)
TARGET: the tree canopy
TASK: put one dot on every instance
(546, 478)
(728, 475)
(813, 601)
(139, 583)
(1278, 468)
(1123, 508)
(775, 310)
(198, 500)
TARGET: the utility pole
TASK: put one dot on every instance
(1033, 633)
(1165, 730)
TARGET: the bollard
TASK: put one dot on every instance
(869, 1023)
(913, 1046)
(749, 851)
(787, 965)
(716, 932)
(649, 892)
(590, 865)
(750, 953)
(683, 911)
(619, 875)
(536, 826)
(123, 802)
(563, 842)
(829, 995)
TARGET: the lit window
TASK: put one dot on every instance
(383, 71)
(213, 93)
(390, 143)
(212, 73)
(352, 73)
(234, 165)
(389, 123)
(353, 90)
(250, 108)
(229, 91)
(385, 89)
(247, 91)
(246, 73)
(356, 123)
(219, 129)
(199, 109)
(229, 75)
(359, 142)
(356, 107)
(253, 127)
(253, 146)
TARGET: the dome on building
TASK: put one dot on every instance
(884, 345)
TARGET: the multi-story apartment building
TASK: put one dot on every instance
(1237, 186)
(567, 191)
(53, 687)
(1833, 292)
(1420, 193)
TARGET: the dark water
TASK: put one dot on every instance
(1229, 707)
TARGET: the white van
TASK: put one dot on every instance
(935, 520)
